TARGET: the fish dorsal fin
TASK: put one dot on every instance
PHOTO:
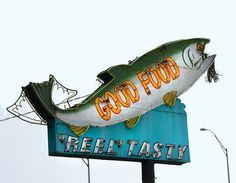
(115, 70)
(79, 130)
(170, 98)
(111, 72)
(132, 122)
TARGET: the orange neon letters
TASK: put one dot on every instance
(160, 68)
(154, 84)
(117, 107)
(144, 82)
(118, 90)
(104, 112)
(122, 96)
(163, 72)
(171, 61)
(136, 96)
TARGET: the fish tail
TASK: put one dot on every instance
(39, 96)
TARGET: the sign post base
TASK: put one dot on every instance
(148, 172)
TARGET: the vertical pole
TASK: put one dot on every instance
(88, 171)
(148, 173)
(227, 159)
(88, 165)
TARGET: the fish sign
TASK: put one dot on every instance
(130, 90)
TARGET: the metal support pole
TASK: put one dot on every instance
(227, 159)
(148, 172)
(88, 165)
(88, 171)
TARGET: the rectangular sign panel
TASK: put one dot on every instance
(160, 135)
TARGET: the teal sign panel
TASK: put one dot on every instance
(160, 136)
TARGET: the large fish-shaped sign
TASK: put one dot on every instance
(129, 91)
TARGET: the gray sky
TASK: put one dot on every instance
(75, 40)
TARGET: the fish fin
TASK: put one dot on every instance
(170, 98)
(132, 122)
(79, 130)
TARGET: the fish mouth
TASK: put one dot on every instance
(208, 64)
(212, 75)
(209, 59)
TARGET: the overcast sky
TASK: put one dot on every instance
(75, 40)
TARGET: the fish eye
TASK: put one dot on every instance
(200, 47)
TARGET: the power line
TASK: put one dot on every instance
(2, 120)
(8, 118)
(24, 114)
